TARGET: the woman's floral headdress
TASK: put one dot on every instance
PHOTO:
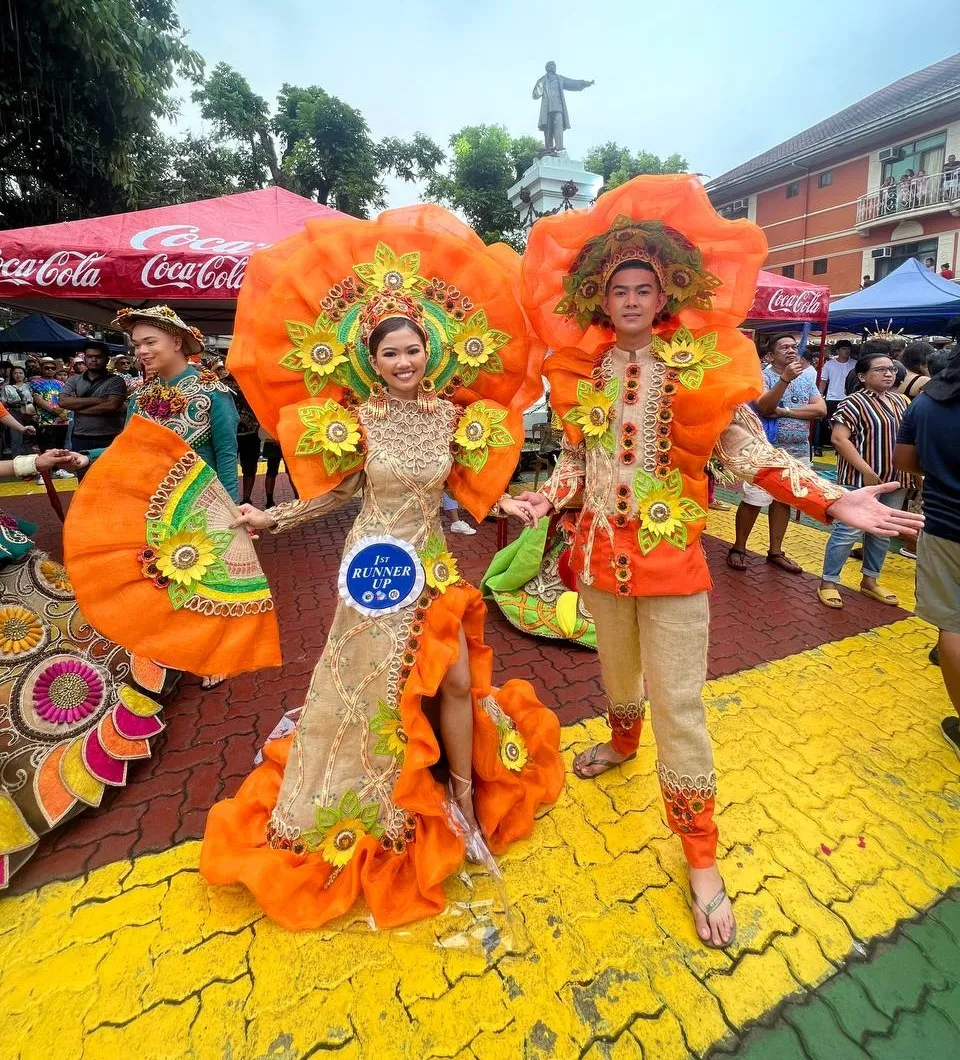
(309, 305)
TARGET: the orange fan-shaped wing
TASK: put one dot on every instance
(164, 575)
(298, 331)
(730, 253)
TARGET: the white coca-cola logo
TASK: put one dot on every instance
(62, 268)
(188, 236)
(796, 303)
(221, 273)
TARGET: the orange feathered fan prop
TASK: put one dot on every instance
(304, 311)
(155, 565)
(707, 266)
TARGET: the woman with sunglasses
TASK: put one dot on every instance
(864, 434)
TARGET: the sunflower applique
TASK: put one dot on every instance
(663, 511)
(387, 727)
(593, 413)
(181, 558)
(338, 829)
(513, 749)
(391, 271)
(439, 566)
(317, 352)
(690, 356)
(475, 347)
(480, 430)
(334, 432)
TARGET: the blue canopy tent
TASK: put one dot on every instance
(911, 299)
(38, 333)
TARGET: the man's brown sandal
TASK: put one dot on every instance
(593, 761)
(737, 558)
(784, 562)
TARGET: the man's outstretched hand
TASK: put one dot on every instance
(862, 509)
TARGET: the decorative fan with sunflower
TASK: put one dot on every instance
(166, 577)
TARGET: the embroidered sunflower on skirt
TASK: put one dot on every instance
(340, 828)
(317, 352)
(663, 511)
(181, 558)
(475, 346)
(478, 432)
(386, 726)
(513, 749)
(690, 356)
(439, 566)
(334, 432)
(56, 575)
(593, 413)
(20, 630)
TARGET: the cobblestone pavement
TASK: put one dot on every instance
(840, 843)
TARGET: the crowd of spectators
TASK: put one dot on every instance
(915, 188)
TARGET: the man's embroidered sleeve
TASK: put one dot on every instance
(291, 514)
(744, 451)
(564, 488)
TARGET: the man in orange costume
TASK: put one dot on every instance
(652, 266)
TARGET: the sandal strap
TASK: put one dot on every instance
(467, 784)
(715, 902)
(593, 759)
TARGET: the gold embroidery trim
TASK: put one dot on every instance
(702, 786)
(754, 454)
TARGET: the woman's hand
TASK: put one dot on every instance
(871, 478)
(519, 510)
(252, 518)
(55, 458)
(27, 430)
(536, 502)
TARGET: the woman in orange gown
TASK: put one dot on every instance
(416, 386)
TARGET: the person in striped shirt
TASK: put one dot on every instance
(864, 434)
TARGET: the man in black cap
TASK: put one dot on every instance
(97, 399)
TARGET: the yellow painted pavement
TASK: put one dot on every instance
(838, 819)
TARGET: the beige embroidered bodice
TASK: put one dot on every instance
(409, 457)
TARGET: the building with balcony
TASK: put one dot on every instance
(858, 193)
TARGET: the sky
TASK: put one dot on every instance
(718, 82)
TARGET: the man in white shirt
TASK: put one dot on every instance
(833, 381)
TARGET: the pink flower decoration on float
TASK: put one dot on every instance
(67, 691)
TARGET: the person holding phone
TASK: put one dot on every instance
(792, 398)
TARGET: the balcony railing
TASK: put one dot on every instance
(918, 193)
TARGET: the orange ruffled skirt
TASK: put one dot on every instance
(516, 769)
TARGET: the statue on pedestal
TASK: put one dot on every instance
(554, 119)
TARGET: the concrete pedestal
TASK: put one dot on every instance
(551, 184)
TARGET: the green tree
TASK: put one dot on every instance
(192, 167)
(314, 143)
(238, 113)
(618, 164)
(485, 161)
(80, 81)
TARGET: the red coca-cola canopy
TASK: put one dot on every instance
(787, 300)
(192, 255)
